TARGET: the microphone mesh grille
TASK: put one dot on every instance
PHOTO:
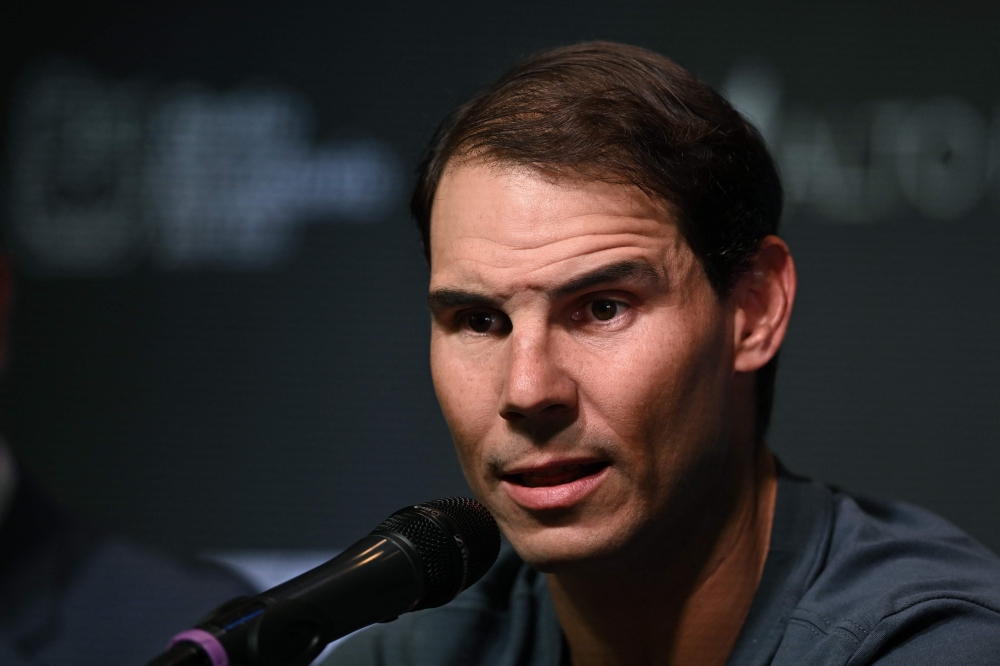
(441, 559)
(478, 529)
(440, 554)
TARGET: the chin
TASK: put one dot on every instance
(566, 548)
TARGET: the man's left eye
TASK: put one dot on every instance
(605, 310)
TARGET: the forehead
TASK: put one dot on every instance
(517, 226)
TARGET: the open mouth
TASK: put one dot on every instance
(556, 475)
(556, 486)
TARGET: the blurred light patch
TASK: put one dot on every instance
(266, 568)
(105, 174)
(859, 163)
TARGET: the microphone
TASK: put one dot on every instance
(420, 557)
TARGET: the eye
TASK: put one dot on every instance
(604, 310)
(482, 322)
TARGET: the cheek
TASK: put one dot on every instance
(658, 390)
(465, 393)
(693, 401)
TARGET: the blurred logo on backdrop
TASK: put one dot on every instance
(858, 163)
(104, 174)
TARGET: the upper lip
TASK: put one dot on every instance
(550, 465)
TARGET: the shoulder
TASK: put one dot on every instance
(142, 581)
(73, 594)
(897, 583)
(124, 602)
(493, 622)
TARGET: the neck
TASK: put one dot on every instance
(687, 609)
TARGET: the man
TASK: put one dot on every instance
(608, 298)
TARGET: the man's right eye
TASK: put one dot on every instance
(482, 322)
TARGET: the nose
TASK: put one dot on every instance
(538, 394)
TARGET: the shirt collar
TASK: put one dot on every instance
(800, 537)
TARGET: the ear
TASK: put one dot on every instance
(763, 300)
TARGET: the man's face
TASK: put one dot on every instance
(581, 358)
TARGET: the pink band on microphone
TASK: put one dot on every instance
(207, 642)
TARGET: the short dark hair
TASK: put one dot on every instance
(623, 114)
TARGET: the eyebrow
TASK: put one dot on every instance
(628, 271)
(635, 271)
(446, 299)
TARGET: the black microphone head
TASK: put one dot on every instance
(456, 539)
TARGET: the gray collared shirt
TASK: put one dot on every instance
(847, 582)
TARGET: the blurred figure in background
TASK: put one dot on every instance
(72, 593)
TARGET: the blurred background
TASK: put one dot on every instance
(219, 338)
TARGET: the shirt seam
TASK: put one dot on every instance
(819, 631)
(843, 629)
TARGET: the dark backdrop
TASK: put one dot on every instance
(219, 338)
